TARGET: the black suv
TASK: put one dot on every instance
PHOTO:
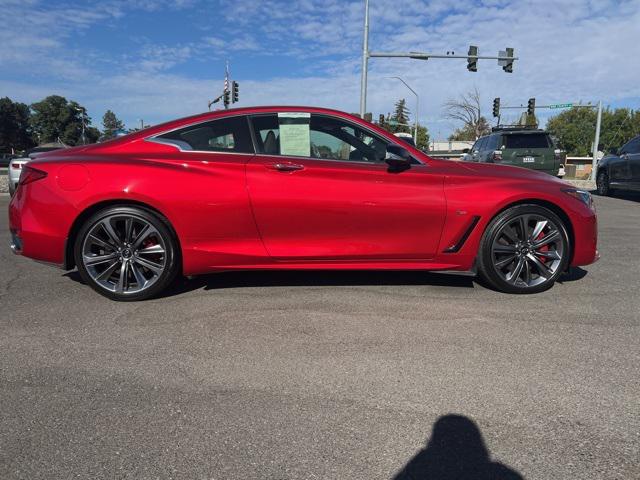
(521, 147)
(620, 170)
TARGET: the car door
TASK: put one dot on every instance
(633, 161)
(476, 150)
(321, 191)
(619, 167)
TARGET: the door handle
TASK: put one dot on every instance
(284, 166)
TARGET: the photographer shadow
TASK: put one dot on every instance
(457, 451)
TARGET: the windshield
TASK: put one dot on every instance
(526, 140)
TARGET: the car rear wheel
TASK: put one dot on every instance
(126, 253)
(524, 250)
(602, 183)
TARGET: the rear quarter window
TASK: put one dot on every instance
(527, 140)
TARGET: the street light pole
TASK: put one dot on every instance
(365, 61)
(415, 128)
(596, 140)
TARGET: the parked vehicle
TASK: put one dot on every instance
(5, 158)
(521, 147)
(620, 170)
(16, 164)
(290, 188)
(406, 137)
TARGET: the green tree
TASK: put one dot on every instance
(15, 131)
(401, 116)
(55, 118)
(574, 129)
(471, 132)
(423, 138)
(111, 124)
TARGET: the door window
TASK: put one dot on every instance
(316, 136)
(224, 135)
(631, 147)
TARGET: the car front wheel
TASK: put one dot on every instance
(126, 253)
(524, 250)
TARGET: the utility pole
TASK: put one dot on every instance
(596, 141)
(415, 127)
(365, 61)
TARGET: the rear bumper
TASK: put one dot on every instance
(38, 226)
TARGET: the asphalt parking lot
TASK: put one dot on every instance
(301, 375)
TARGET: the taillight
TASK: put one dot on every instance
(497, 156)
(30, 174)
(559, 155)
(16, 166)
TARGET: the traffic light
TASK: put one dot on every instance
(381, 119)
(531, 106)
(472, 59)
(508, 65)
(226, 98)
(235, 91)
(496, 107)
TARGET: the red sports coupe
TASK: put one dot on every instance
(290, 188)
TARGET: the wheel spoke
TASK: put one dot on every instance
(151, 249)
(543, 270)
(113, 236)
(106, 273)
(527, 272)
(144, 233)
(91, 260)
(140, 279)
(505, 261)
(101, 243)
(154, 267)
(540, 224)
(511, 235)
(547, 239)
(122, 280)
(550, 254)
(128, 229)
(499, 248)
(523, 221)
(513, 277)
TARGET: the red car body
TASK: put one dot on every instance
(236, 211)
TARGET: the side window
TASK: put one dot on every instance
(316, 136)
(481, 144)
(632, 146)
(492, 143)
(224, 135)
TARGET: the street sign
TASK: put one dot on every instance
(561, 105)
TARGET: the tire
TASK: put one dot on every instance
(524, 250)
(602, 183)
(126, 253)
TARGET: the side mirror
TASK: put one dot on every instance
(397, 158)
(465, 150)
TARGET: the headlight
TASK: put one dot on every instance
(582, 195)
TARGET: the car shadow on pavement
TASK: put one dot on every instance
(456, 450)
(316, 278)
(625, 195)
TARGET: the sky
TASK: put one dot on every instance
(157, 59)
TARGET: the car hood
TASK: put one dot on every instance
(508, 172)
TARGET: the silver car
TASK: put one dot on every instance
(16, 165)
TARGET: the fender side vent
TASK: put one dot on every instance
(463, 236)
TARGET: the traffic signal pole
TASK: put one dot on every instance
(365, 61)
(505, 59)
